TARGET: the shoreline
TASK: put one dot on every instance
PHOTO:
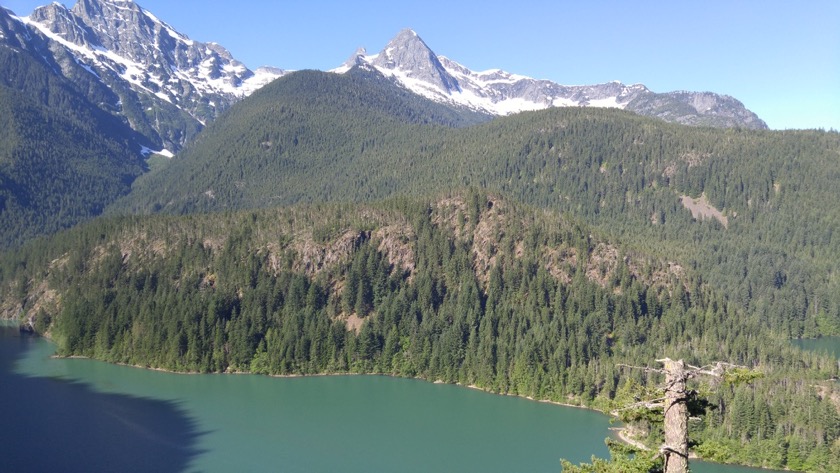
(619, 430)
(299, 375)
(622, 433)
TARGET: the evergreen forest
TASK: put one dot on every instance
(467, 288)
(62, 160)
(340, 224)
(315, 137)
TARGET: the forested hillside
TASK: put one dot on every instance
(469, 288)
(62, 159)
(309, 136)
(317, 136)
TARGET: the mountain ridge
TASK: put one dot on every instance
(409, 60)
(145, 60)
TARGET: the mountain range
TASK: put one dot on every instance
(113, 71)
(413, 64)
(168, 86)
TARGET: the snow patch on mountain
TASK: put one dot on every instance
(146, 152)
(180, 83)
(409, 61)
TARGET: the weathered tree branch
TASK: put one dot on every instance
(647, 404)
(646, 369)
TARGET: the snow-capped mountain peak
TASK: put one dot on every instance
(121, 32)
(409, 60)
(119, 41)
(408, 56)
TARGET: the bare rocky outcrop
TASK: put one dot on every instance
(498, 231)
(312, 257)
(396, 243)
(702, 209)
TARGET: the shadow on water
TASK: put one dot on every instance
(53, 424)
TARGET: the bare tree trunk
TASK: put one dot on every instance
(675, 404)
(675, 449)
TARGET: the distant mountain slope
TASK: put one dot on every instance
(87, 94)
(413, 64)
(308, 136)
(63, 156)
(314, 136)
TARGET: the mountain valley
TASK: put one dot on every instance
(164, 206)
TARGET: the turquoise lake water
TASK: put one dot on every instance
(830, 345)
(84, 415)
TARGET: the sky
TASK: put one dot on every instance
(780, 58)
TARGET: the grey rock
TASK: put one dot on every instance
(408, 53)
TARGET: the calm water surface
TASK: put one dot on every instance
(830, 345)
(84, 415)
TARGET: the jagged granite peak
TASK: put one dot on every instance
(13, 33)
(65, 23)
(145, 61)
(408, 55)
(356, 59)
(409, 61)
(127, 30)
(124, 29)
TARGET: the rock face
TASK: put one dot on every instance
(407, 52)
(180, 84)
(409, 61)
(134, 35)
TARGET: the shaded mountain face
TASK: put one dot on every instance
(165, 84)
(62, 159)
(409, 61)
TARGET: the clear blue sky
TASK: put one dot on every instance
(780, 58)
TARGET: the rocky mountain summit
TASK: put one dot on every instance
(179, 83)
(409, 60)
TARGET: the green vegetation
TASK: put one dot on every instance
(315, 137)
(62, 160)
(589, 260)
(468, 288)
(623, 459)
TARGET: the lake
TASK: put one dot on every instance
(83, 415)
(830, 345)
